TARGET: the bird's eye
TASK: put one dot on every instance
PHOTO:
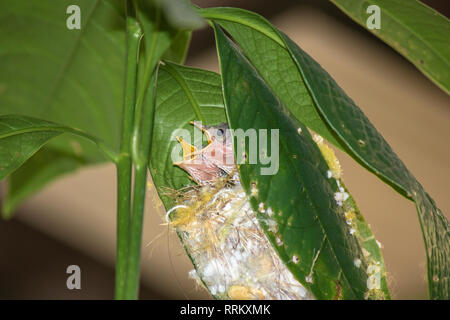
(220, 132)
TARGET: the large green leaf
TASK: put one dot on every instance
(39, 170)
(415, 30)
(21, 137)
(343, 120)
(265, 49)
(71, 77)
(295, 77)
(74, 77)
(184, 94)
(372, 151)
(311, 225)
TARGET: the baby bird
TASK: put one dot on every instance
(214, 161)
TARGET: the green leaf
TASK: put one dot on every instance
(367, 241)
(184, 94)
(436, 234)
(178, 50)
(294, 76)
(370, 149)
(413, 29)
(39, 170)
(160, 38)
(158, 35)
(344, 121)
(266, 50)
(311, 225)
(71, 77)
(354, 129)
(21, 137)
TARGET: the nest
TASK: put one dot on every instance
(231, 253)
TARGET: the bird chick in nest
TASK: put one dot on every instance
(232, 256)
(216, 160)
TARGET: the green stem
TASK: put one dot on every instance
(134, 253)
(142, 134)
(124, 163)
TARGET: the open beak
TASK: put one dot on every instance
(204, 130)
(189, 151)
(207, 163)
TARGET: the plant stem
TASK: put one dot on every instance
(134, 253)
(143, 128)
(124, 163)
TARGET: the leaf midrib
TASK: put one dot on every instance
(174, 73)
(31, 130)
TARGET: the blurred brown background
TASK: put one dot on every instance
(73, 220)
